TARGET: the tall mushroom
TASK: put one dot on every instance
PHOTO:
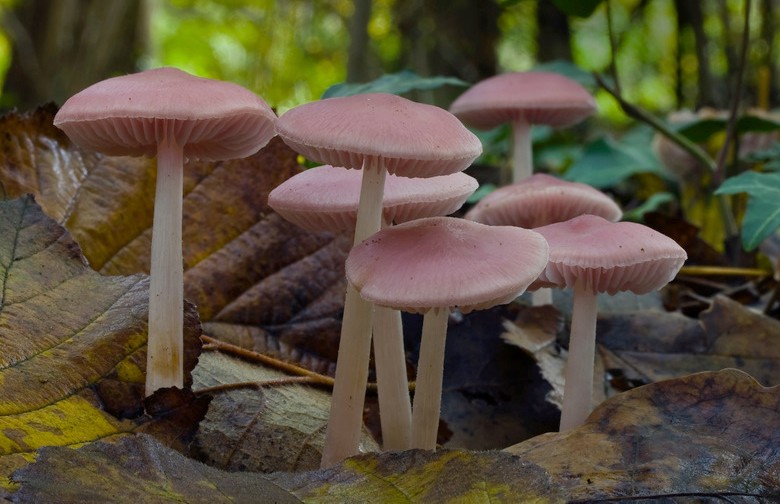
(325, 198)
(173, 115)
(524, 99)
(379, 133)
(592, 255)
(432, 265)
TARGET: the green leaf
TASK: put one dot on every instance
(762, 217)
(606, 162)
(578, 8)
(701, 130)
(395, 83)
(651, 204)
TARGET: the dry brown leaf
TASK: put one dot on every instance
(251, 274)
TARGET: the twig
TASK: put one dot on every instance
(307, 376)
(641, 115)
(612, 48)
(221, 346)
(292, 380)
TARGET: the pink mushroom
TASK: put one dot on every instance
(435, 264)
(379, 133)
(524, 99)
(592, 255)
(326, 198)
(539, 200)
(173, 115)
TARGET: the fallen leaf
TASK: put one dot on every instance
(73, 341)
(254, 277)
(270, 424)
(656, 346)
(136, 470)
(703, 435)
(493, 394)
(710, 436)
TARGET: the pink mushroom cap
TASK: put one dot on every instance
(531, 97)
(131, 114)
(411, 139)
(325, 198)
(609, 256)
(444, 262)
(542, 199)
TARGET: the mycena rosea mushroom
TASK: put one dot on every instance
(433, 265)
(524, 99)
(173, 115)
(539, 200)
(325, 198)
(379, 133)
(592, 255)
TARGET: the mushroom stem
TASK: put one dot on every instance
(542, 296)
(430, 375)
(164, 354)
(522, 154)
(578, 388)
(395, 408)
(345, 422)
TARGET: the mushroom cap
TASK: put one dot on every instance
(131, 114)
(410, 139)
(444, 262)
(542, 199)
(532, 97)
(325, 198)
(609, 256)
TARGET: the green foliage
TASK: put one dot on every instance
(762, 217)
(607, 162)
(701, 130)
(395, 83)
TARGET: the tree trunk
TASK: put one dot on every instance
(690, 16)
(449, 37)
(61, 47)
(554, 33)
(359, 58)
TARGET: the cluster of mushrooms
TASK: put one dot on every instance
(391, 173)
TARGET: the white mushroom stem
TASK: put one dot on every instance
(578, 388)
(165, 354)
(522, 151)
(430, 375)
(345, 422)
(395, 407)
(542, 296)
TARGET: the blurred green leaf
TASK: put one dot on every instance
(607, 162)
(480, 193)
(701, 130)
(395, 83)
(762, 217)
(579, 8)
(651, 204)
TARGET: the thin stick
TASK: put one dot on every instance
(430, 373)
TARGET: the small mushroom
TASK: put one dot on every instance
(592, 255)
(539, 200)
(524, 99)
(325, 198)
(431, 266)
(173, 115)
(378, 133)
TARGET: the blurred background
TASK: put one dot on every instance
(669, 54)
